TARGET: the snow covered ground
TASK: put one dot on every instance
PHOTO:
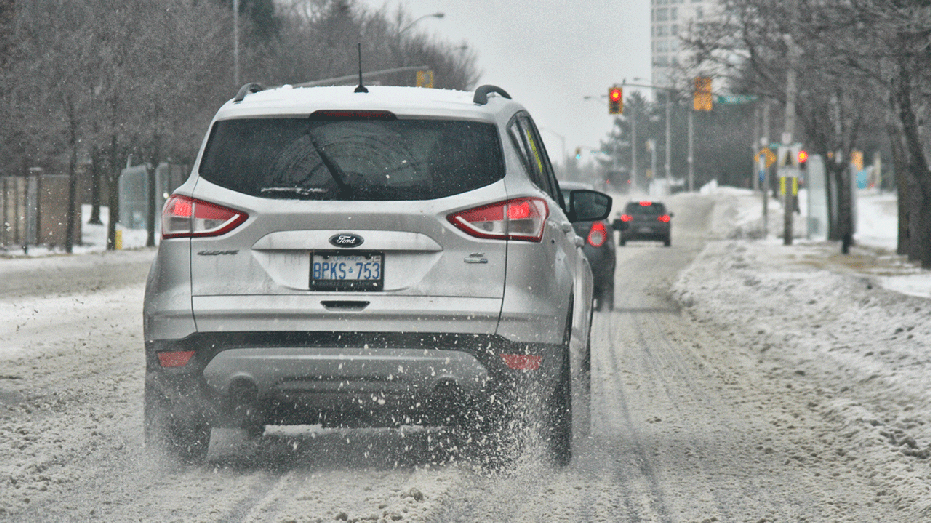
(847, 333)
(93, 238)
(852, 330)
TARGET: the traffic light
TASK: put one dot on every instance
(701, 97)
(802, 159)
(578, 153)
(615, 100)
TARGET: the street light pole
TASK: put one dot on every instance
(668, 137)
(236, 43)
(432, 15)
(562, 140)
(633, 148)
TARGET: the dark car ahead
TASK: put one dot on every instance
(644, 221)
(599, 249)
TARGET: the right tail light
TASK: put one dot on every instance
(519, 219)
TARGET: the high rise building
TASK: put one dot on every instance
(669, 21)
(7, 10)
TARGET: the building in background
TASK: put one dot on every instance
(669, 21)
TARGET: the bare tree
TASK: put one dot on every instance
(862, 61)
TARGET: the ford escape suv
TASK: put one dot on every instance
(397, 256)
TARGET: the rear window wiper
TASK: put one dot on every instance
(335, 172)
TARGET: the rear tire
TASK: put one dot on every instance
(167, 433)
(559, 413)
(607, 297)
(668, 241)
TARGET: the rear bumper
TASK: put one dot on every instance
(350, 379)
(645, 232)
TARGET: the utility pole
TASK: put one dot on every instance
(764, 141)
(691, 150)
(633, 149)
(757, 132)
(668, 138)
(236, 43)
(788, 200)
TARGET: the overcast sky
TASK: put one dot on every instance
(549, 55)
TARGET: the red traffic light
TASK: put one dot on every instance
(802, 157)
(615, 100)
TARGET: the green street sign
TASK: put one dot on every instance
(735, 99)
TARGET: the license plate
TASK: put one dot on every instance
(645, 230)
(350, 272)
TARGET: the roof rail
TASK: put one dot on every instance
(481, 94)
(246, 89)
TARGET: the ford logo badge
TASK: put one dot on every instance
(346, 239)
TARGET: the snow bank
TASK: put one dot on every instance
(853, 330)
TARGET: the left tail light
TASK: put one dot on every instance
(185, 217)
(175, 358)
(518, 219)
(597, 235)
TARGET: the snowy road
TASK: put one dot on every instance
(702, 410)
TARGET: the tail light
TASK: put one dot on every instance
(175, 359)
(664, 218)
(522, 361)
(519, 219)
(185, 217)
(597, 235)
(626, 218)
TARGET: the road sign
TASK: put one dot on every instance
(425, 78)
(767, 154)
(736, 99)
(701, 98)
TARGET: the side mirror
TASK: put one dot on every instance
(671, 215)
(588, 206)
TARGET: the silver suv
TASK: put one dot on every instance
(398, 256)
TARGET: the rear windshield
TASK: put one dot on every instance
(352, 159)
(645, 208)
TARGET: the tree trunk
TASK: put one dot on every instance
(902, 183)
(844, 208)
(96, 172)
(72, 175)
(113, 194)
(72, 197)
(152, 193)
(923, 231)
(920, 213)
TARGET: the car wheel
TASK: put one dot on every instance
(488, 434)
(668, 241)
(622, 242)
(607, 297)
(581, 400)
(166, 433)
(559, 411)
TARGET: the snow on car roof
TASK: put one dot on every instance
(412, 101)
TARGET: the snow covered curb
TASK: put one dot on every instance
(862, 353)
